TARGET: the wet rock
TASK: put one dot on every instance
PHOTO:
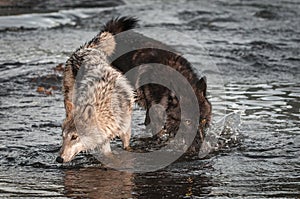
(39, 165)
(59, 68)
(266, 14)
(40, 89)
(51, 125)
(263, 45)
(47, 84)
(10, 159)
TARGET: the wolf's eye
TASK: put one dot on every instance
(74, 137)
(188, 122)
(203, 121)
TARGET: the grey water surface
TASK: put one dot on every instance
(249, 52)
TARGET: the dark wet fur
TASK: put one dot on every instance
(151, 94)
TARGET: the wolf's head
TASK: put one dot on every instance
(79, 133)
(72, 143)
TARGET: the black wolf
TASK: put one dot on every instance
(147, 52)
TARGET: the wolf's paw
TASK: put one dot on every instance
(128, 148)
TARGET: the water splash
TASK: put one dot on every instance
(224, 133)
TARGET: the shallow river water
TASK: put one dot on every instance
(249, 51)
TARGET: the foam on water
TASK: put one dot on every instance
(224, 133)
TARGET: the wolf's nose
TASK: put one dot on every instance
(59, 159)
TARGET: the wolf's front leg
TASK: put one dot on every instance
(105, 149)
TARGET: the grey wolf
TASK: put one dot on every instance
(98, 100)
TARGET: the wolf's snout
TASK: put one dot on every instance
(59, 159)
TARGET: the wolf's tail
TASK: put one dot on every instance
(105, 41)
(118, 25)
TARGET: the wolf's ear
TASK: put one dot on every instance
(88, 112)
(201, 85)
(69, 107)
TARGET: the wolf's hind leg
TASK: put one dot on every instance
(125, 137)
(147, 118)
